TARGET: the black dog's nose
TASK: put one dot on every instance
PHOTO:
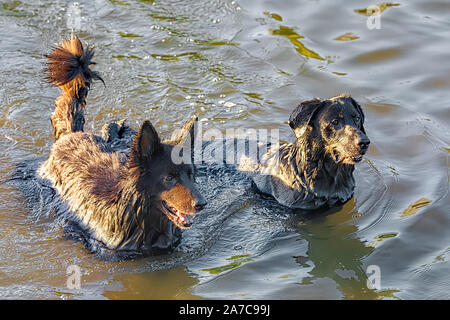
(364, 144)
(200, 205)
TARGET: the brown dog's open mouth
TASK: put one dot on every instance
(180, 219)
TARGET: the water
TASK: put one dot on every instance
(244, 64)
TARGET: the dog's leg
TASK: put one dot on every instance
(68, 69)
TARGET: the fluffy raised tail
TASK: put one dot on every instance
(68, 69)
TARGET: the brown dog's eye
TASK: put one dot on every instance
(335, 122)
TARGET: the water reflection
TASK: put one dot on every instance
(212, 51)
(349, 36)
(335, 253)
(378, 8)
(236, 261)
(293, 37)
(379, 55)
(164, 284)
(413, 208)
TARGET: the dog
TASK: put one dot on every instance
(316, 171)
(136, 201)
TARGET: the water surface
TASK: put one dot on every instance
(244, 64)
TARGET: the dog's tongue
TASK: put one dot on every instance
(186, 220)
(180, 216)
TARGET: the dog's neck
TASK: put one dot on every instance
(315, 170)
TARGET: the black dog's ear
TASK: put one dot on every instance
(361, 113)
(302, 116)
(146, 143)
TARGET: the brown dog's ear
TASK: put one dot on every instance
(187, 132)
(146, 143)
(302, 116)
(361, 113)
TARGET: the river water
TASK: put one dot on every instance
(244, 64)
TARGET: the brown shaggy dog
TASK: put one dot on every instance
(135, 202)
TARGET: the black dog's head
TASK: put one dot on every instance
(166, 185)
(336, 124)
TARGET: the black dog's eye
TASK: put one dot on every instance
(357, 118)
(335, 122)
(169, 178)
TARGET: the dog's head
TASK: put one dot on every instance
(337, 123)
(165, 184)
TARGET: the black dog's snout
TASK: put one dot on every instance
(364, 144)
(200, 205)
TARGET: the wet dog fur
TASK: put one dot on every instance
(134, 202)
(317, 169)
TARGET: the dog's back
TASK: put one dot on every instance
(118, 194)
(81, 166)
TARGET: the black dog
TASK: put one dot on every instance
(317, 169)
(135, 202)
